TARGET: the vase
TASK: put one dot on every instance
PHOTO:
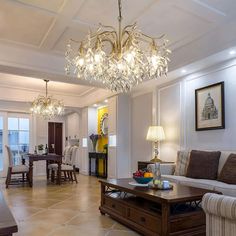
(94, 145)
(156, 170)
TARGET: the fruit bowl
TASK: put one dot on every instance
(142, 180)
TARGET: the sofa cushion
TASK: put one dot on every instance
(182, 163)
(203, 165)
(226, 189)
(174, 178)
(228, 173)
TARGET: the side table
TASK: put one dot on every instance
(97, 156)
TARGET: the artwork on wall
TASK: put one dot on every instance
(209, 107)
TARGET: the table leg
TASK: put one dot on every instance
(31, 173)
(47, 170)
(165, 213)
(89, 165)
(59, 174)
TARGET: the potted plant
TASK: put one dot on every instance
(94, 138)
(40, 148)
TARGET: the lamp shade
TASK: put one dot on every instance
(155, 133)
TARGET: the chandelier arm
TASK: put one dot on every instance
(110, 41)
(129, 26)
(107, 26)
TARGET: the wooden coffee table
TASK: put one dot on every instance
(174, 212)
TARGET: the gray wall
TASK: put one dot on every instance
(141, 117)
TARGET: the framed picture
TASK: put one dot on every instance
(209, 107)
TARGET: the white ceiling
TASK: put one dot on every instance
(34, 33)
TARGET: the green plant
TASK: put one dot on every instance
(40, 147)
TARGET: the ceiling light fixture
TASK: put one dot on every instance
(46, 106)
(106, 101)
(232, 52)
(118, 59)
(183, 71)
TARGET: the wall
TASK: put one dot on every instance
(223, 139)
(104, 139)
(141, 116)
(72, 128)
(169, 117)
(175, 111)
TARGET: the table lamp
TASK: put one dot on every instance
(155, 134)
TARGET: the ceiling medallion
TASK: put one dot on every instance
(132, 57)
(47, 106)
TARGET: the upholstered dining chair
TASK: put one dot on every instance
(68, 165)
(15, 169)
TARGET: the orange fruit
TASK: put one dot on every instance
(147, 174)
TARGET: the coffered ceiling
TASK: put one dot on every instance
(34, 33)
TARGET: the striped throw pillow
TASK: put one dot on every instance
(182, 163)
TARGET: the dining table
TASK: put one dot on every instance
(49, 158)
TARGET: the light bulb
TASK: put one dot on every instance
(81, 61)
(97, 57)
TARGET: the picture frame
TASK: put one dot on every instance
(210, 107)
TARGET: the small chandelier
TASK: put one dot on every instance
(47, 106)
(131, 58)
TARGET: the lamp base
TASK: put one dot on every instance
(155, 159)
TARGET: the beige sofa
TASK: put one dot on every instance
(220, 215)
(167, 171)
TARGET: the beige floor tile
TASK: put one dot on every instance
(70, 230)
(86, 220)
(68, 210)
(53, 216)
(122, 233)
(36, 229)
(22, 213)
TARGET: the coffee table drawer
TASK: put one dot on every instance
(115, 206)
(146, 220)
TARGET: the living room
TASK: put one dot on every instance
(87, 112)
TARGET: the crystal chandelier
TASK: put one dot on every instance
(118, 59)
(47, 106)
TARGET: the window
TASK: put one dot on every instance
(18, 137)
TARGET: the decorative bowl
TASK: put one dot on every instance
(142, 180)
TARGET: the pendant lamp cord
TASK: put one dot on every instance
(120, 9)
(46, 87)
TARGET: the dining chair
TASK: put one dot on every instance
(68, 165)
(15, 170)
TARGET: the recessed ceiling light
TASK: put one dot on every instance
(106, 101)
(183, 71)
(232, 52)
(95, 105)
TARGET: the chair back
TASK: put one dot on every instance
(66, 154)
(71, 160)
(10, 156)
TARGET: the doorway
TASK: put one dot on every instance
(55, 137)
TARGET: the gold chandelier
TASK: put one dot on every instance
(47, 106)
(120, 59)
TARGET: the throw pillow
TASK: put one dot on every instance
(228, 172)
(203, 165)
(182, 163)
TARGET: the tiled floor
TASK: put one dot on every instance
(68, 210)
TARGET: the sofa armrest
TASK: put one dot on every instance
(219, 205)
